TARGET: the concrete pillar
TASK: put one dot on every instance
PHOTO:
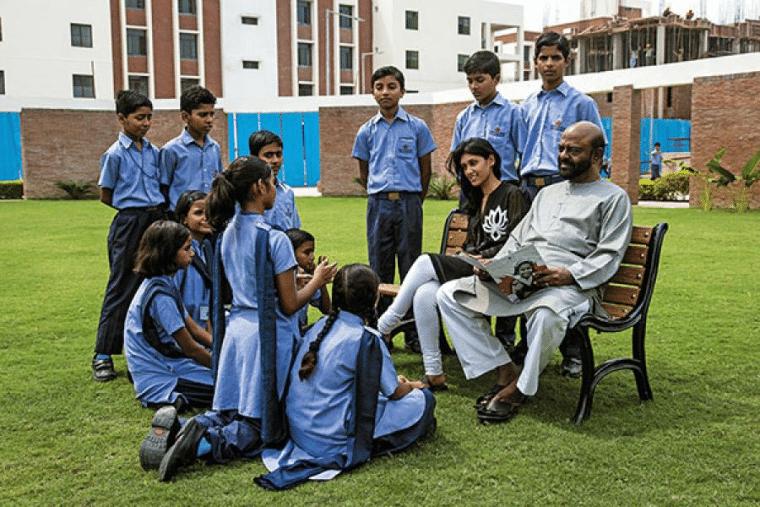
(580, 60)
(626, 127)
(704, 43)
(617, 51)
(660, 44)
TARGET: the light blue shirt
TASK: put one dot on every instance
(195, 294)
(155, 375)
(656, 157)
(131, 174)
(546, 115)
(393, 151)
(185, 165)
(284, 213)
(500, 123)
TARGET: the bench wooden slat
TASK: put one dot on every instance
(636, 254)
(456, 239)
(629, 275)
(617, 311)
(459, 221)
(641, 235)
(621, 294)
(388, 289)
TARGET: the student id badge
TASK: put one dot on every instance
(204, 313)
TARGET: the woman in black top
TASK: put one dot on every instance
(494, 207)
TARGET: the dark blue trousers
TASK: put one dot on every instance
(124, 236)
(394, 230)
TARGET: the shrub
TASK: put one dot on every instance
(667, 188)
(442, 187)
(12, 189)
(77, 189)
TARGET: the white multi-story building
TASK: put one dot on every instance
(430, 40)
(55, 50)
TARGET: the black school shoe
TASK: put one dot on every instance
(571, 367)
(102, 369)
(160, 438)
(184, 451)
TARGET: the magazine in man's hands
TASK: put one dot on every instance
(513, 273)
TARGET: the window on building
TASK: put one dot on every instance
(250, 64)
(461, 60)
(304, 54)
(139, 84)
(136, 4)
(2, 82)
(188, 46)
(346, 58)
(305, 90)
(527, 53)
(187, 82)
(346, 90)
(412, 20)
(137, 42)
(412, 59)
(249, 20)
(303, 9)
(187, 7)
(84, 86)
(669, 99)
(609, 96)
(464, 25)
(346, 18)
(81, 35)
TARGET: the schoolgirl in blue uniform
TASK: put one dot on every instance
(303, 246)
(194, 282)
(129, 182)
(166, 350)
(345, 402)
(262, 328)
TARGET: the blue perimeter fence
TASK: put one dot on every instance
(300, 135)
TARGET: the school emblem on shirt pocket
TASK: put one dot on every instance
(405, 147)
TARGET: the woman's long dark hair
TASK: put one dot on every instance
(354, 290)
(234, 185)
(481, 148)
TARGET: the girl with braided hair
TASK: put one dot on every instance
(262, 329)
(345, 402)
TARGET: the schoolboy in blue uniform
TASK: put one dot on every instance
(129, 182)
(268, 147)
(191, 160)
(547, 113)
(490, 116)
(394, 150)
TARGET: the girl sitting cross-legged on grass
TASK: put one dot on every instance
(165, 349)
(345, 402)
(262, 330)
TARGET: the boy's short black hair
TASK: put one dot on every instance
(485, 62)
(388, 70)
(657, 143)
(553, 39)
(261, 138)
(298, 237)
(195, 96)
(129, 101)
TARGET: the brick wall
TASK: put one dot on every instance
(67, 145)
(724, 113)
(626, 126)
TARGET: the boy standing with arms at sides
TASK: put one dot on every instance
(268, 147)
(656, 162)
(547, 113)
(490, 116)
(393, 150)
(129, 182)
(191, 160)
(498, 121)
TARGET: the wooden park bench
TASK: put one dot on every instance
(626, 300)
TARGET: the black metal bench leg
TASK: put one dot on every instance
(583, 410)
(639, 355)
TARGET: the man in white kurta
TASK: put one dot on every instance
(581, 227)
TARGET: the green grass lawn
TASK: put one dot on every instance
(68, 440)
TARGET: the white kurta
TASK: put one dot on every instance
(584, 228)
